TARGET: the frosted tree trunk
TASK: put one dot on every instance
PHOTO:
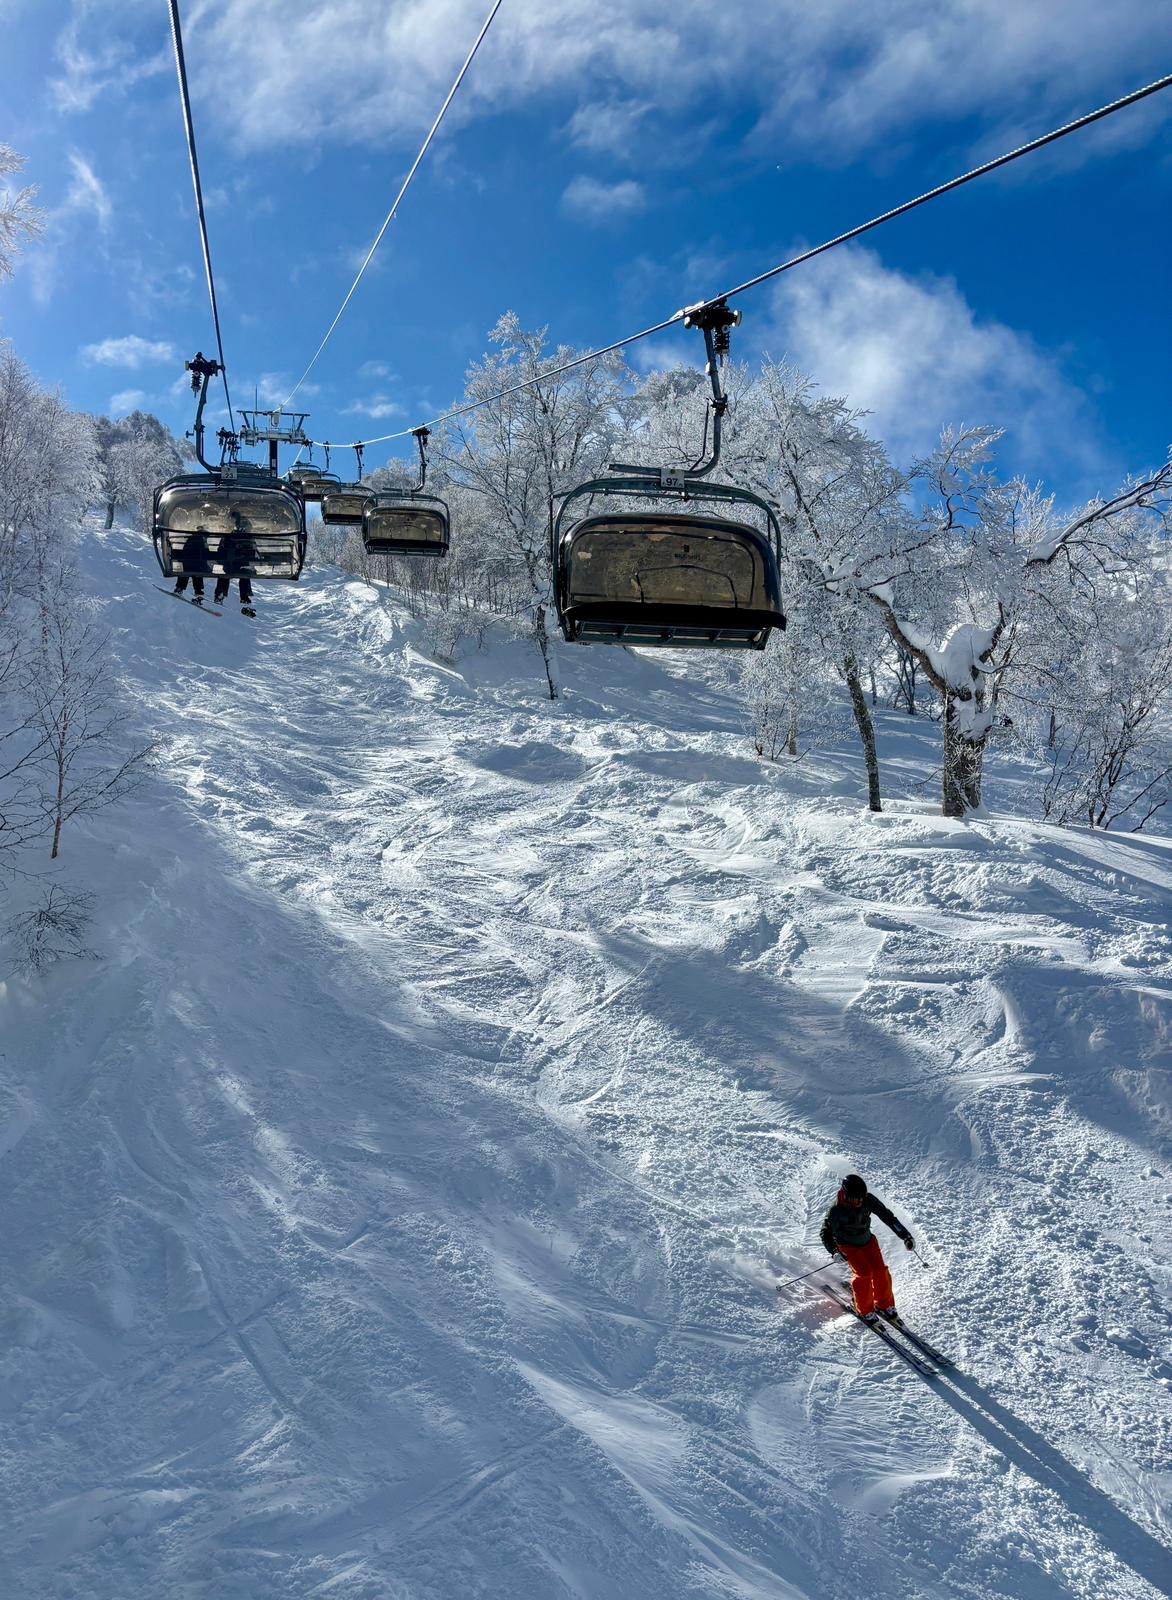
(58, 808)
(964, 756)
(791, 743)
(866, 729)
(109, 513)
(548, 654)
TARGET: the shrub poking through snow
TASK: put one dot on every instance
(52, 930)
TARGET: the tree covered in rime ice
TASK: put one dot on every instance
(77, 716)
(20, 221)
(789, 694)
(1091, 689)
(48, 475)
(135, 454)
(984, 552)
(61, 750)
(516, 454)
(839, 501)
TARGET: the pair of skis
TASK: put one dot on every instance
(897, 1336)
(917, 1352)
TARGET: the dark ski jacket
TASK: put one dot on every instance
(851, 1225)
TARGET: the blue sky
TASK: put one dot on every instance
(606, 162)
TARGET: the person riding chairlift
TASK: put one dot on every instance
(239, 553)
(195, 554)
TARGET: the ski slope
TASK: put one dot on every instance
(392, 1211)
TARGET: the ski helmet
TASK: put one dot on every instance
(853, 1187)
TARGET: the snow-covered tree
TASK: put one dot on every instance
(48, 475)
(77, 716)
(1091, 693)
(20, 221)
(993, 546)
(135, 454)
(519, 452)
(839, 501)
(787, 688)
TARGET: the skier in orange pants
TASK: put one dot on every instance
(846, 1231)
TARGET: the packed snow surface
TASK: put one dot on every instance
(393, 1208)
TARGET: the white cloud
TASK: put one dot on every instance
(87, 192)
(159, 283)
(664, 353)
(833, 78)
(127, 400)
(374, 369)
(377, 406)
(271, 389)
(85, 197)
(914, 354)
(595, 202)
(130, 351)
(608, 127)
(100, 65)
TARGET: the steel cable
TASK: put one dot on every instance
(185, 97)
(398, 200)
(774, 272)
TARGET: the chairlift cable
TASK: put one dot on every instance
(953, 183)
(398, 198)
(785, 266)
(185, 97)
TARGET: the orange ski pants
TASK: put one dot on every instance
(872, 1281)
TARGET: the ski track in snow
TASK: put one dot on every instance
(394, 1209)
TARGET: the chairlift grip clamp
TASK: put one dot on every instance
(714, 318)
(202, 370)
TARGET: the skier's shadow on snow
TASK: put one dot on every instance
(1030, 1453)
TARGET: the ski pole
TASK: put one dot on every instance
(790, 1281)
(921, 1259)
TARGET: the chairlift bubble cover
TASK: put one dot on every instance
(314, 484)
(406, 525)
(344, 506)
(668, 579)
(205, 527)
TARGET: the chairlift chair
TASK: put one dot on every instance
(678, 579)
(406, 524)
(667, 578)
(410, 523)
(311, 482)
(234, 521)
(343, 506)
(239, 522)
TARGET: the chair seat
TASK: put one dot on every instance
(672, 626)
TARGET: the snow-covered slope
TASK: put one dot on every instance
(392, 1212)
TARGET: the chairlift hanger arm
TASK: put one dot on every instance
(202, 370)
(422, 435)
(715, 320)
